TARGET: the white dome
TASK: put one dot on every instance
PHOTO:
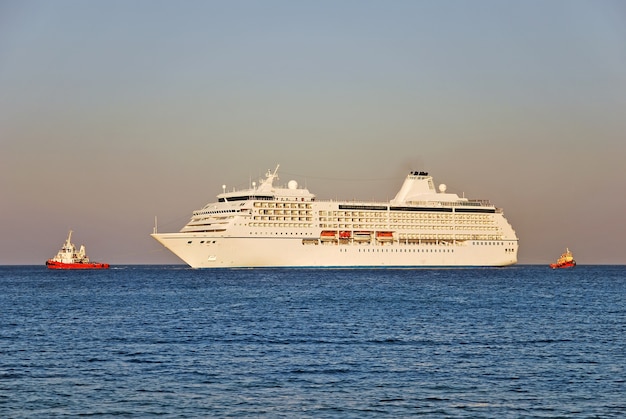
(442, 188)
(292, 184)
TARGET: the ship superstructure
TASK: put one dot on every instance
(278, 226)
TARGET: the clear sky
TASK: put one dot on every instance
(114, 112)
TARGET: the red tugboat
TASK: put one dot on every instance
(565, 261)
(69, 258)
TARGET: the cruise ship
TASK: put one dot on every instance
(268, 225)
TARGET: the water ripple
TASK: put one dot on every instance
(174, 342)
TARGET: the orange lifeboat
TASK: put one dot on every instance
(328, 235)
(384, 235)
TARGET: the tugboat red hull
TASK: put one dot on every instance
(89, 265)
(563, 265)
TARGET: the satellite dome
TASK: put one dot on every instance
(292, 184)
(442, 188)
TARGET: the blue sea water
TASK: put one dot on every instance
(167, 341)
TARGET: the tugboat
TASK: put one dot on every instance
(69, 258)
(565, 261)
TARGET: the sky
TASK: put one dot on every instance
(113, 113)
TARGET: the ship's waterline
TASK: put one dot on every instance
(274, 226)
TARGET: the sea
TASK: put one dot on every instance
(174, 342)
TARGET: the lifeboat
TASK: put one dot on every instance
(328, 235)
(384, 236)
(362, 235)
(345, 234)
(565, 261)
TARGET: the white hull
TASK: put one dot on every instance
(207, 251)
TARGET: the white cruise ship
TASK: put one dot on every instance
(285, 226)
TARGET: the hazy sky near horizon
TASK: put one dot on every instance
(114, 112)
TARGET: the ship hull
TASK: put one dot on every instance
(212, 251)
(71, 266)
(563, 265)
